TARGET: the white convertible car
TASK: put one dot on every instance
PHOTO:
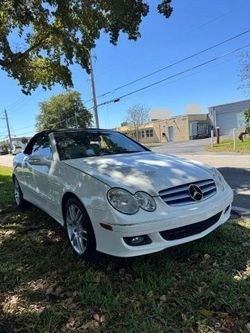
(115, 196)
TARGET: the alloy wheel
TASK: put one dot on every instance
(76, 228)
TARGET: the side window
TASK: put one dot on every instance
(149, 133)
(42, 147)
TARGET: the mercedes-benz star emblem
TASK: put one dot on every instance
(195, 192)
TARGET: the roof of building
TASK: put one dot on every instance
(238, 102)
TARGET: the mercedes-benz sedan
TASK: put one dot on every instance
(115, 196)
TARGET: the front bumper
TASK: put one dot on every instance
(160, 224)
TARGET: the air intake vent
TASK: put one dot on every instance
(191, 229)
(180, 195)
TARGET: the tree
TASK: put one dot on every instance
(247, 130)
(5, 147)
(24, 140)
(245, 70)
(63, 111)
(247, 116)
(124, 123)
(53, 34)
(137, 116)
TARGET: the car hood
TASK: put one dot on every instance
(144, 171)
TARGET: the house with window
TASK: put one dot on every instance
(179, 128)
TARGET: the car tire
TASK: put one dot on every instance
(79, 229)
(18, 194)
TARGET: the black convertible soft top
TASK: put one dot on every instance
(29, 146)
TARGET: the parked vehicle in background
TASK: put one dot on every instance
(3, 151)
(115, 196)
(16, 150)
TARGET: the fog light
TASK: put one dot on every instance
(137, 240)
(227, 209)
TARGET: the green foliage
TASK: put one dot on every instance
(6, 187)
(227, 145)
(63, 111)
(5, 147)
(50, 35)
(124, 123)
(247, 115)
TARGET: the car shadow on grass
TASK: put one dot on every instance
(45, 288)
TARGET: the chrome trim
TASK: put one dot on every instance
(180, 196)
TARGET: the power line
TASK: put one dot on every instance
(23, 101)
(172, 76)
(24, 133)
(21, 128)
(172, 64)
(174, 80)
(192, 29)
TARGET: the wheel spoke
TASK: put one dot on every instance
(78, 217)
(77, 232)
(79, 243)
(72, 237)
(71, 212)
(83, 235)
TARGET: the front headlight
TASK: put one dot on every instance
(145, 201)
(219, 180)
(126, 203)
(123, 201)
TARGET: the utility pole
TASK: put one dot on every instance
(93, 91)
(8, 127)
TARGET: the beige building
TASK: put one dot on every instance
(179, 128)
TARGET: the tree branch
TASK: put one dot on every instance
(12, 58)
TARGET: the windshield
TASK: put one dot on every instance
(79, 144)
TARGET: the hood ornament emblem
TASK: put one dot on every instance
(195, 192)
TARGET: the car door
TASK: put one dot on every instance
(26, 174)
(46, 173)
(40, 161)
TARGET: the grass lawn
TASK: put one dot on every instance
(6, 196)
(227, 146)
(200, 287)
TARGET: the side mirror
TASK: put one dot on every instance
(38, 160)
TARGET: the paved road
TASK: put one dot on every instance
(185, 147)
(235, 168)
(6, 160)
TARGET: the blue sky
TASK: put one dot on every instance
(193, 26)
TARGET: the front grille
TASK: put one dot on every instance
(191, 229)
(179, 195)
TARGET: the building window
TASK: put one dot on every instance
(142, 134)
(149, 133)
